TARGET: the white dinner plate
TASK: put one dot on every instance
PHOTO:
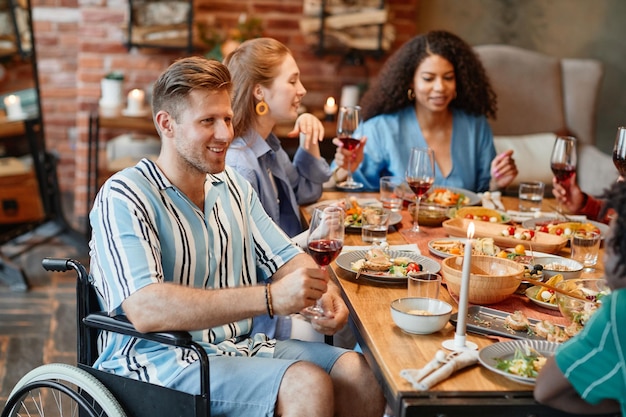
(488, 356)
(345, 261)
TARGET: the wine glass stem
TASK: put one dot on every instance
(416, 225)
(349, 177)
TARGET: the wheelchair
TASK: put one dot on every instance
(67, 390)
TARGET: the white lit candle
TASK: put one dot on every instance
(330, 108)
(13, 106)
(465, 282)
(135, 101)
(459, 342)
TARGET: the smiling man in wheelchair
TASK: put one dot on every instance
(183, 243)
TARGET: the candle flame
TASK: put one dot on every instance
(470, 230)
(330, 101)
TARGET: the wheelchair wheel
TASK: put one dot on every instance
(58, 390)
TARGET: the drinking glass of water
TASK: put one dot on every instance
(531, 195)
(374, 224)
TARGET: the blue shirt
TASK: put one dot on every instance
(594, 361)
(391, 136)
(282, 185)
(146, 231)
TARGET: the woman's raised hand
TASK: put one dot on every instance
(503, 169)
(311, 132)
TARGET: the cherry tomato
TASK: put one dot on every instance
(511, 230)
(413, 267)
(469, 216)
(484, 218)
(558, 231)
(544, 229)
(532, 233)
(520, 249)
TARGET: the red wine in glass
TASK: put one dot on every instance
(419, 187)
(325, 241)
(619, 151)
(324, 251)
(349, 143)
(420, 175)
(562, 172)
(620, 163)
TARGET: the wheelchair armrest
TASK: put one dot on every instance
(120, 324)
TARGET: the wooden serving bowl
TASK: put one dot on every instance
(491, 279)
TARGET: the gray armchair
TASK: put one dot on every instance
(540, 96)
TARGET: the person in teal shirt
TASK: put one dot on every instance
(587, 374)
(432, 92)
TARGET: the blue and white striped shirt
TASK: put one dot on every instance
(145, 231)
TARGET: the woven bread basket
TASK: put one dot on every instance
(491, 279)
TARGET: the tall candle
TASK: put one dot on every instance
(459, 337)
(13, 106)
(135, 101)
(349, 95)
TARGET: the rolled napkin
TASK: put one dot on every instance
(425, 378)
(492, 200)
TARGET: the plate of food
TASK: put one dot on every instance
(354, 214)
(537, 295)
(517, 360)
(507, 236)
(452, 196)
(442, 195)
(565, 228)
(385, 266)
(492, 322)
(454, 246)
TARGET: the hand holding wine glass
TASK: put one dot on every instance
(325, 241)
(347, 124)
(563, 160)
(420, 175)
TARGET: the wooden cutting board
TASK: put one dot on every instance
(542, 242)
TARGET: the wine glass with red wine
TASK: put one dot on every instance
(347, 123)
(325, 241)
(563, 160)
(420, 175)
(619, 151)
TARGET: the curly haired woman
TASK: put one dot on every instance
(432, 92)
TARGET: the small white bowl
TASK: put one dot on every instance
(574, 267)
(405, 313)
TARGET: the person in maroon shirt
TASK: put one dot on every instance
(576, 201)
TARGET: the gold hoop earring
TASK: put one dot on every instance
(261, 108)
(410, 94)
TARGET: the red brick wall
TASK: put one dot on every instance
(79, 41)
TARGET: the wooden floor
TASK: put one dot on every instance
(38, 325)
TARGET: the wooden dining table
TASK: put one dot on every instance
(472, 391)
